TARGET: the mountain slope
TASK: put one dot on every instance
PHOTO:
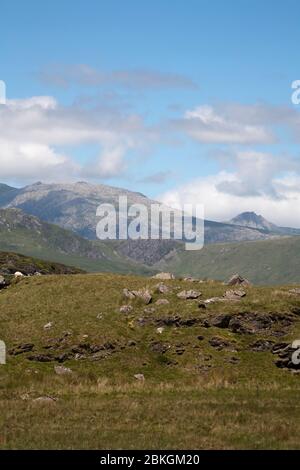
(73, 207)
(5, 189)
(253, 220)
(262, 262)
(29, 235)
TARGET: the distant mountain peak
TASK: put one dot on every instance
(253, 220)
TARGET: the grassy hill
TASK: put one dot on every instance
(28, 235)
(12, 262)
(209, 381)
(273, 261)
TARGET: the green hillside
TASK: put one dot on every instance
(169, 376)
(28, 235)
(273, 261)
(12, 262)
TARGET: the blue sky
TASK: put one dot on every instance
(179, 99)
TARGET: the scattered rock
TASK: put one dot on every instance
(90, 349)
(139, 377)
(61, 370)
(128, 294)
(220, 343)
(234, 294)
(162, 302)
(41, 358)
(160, 329)
(56, 343)
(126, 309)
(237, 280)
(162, 288)
(200, 337)
(46, 399)
(131, 343)
(261, 345)
(221, 321)
(98, 356)
(295, 291)
(213, 300)
(189, 294)
(164, 276)
(191, 279)
(159, 347)
(37, 273)
(21, 349)
(229, 296)
(249, 323)
(144, 295)
(48, 326)
(280, 348)
(237, 325)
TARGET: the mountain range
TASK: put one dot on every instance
(58, 222)
(73, 207)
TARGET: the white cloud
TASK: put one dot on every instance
(27, 160)
(33, 130)
(44, 102)
(255, 172)
(257, 184)
(110, 163)
(207, 125)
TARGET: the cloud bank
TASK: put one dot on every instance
(34, 131)
(255, 185)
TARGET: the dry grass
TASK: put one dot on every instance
(100, 405)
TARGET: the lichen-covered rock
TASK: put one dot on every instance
(237, 280)
(189, 294)
(144, 295)
(126, 309)
(162, 288)
(164, 276)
